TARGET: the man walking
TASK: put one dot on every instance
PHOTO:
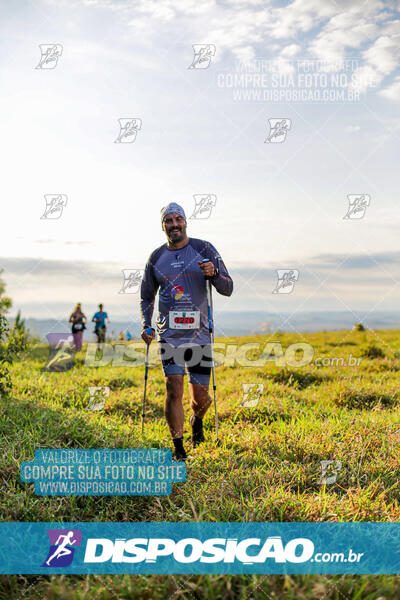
(177, 270)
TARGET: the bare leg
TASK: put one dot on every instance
(173, 409)
(200, 399)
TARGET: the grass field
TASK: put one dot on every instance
(267, 467)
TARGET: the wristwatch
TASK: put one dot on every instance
(216, 273)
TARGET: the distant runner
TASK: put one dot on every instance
(78, 320)
(175, 269)
(100, 324)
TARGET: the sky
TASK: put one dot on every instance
(279, 204)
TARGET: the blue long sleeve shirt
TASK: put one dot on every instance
(175, 274)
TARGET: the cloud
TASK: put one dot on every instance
(326, 30)
(245, 53)
(112, 271)
(331, 45)
(48, 287)
(366, 77)
(381, 59)
(391, 27)
(39, 267)
(384, 53)
(352, 128)
(355, 261)
(299, 16)
(85, 54)
(66, 243)
(393, 90)
(291, 50)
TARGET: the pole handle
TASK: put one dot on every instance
(204, 260)
(149, 331)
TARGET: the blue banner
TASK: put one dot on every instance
(269, 548)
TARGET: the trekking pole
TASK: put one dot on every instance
(211, 330)
(149, 331)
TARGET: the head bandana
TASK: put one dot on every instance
(172, 208)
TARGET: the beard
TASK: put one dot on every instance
(177, 236)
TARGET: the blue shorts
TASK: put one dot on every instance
(197, 360)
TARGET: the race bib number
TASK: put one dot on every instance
(179, 319)
(78, 326)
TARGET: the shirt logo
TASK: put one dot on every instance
(178, 262)
(177, 292)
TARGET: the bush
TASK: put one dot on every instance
(4, 374)
(372, 351)
(12, 343)
(358, 327)
(369, 398)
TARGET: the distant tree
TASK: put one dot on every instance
(5, 301)
(19, 328)
(358, 327)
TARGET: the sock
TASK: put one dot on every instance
(178, 443)
(197, 424)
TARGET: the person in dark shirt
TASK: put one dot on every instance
(177, 272)
(78, 320)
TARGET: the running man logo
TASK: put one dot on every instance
(61, 352)
(357, 206)
(252, 393)
(50, 54)
(55, 203)
(177, 292)
(98, 396)
(62, 547)
(278, 129)
(330, 469)
(286, 280)
(132, 280)
(128, 129)
(203, 205)
(203, 53)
